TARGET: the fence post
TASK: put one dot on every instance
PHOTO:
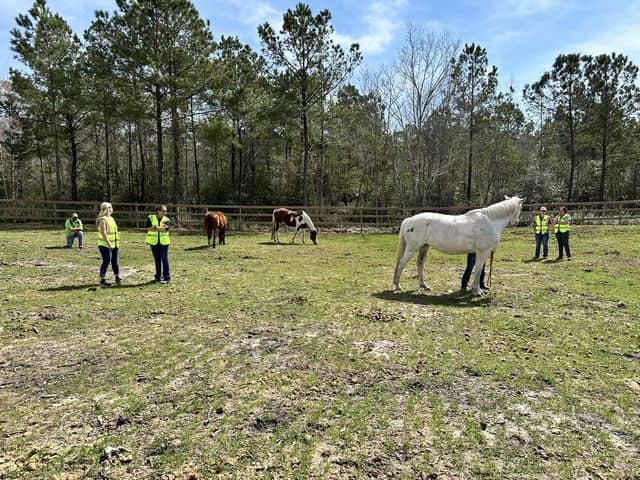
(361, 221)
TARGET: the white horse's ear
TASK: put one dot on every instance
(507, 197)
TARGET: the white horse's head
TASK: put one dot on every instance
(518, 202)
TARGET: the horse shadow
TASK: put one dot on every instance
(282, 244)
(201, 247)
(455, 299)
(94, 286)
(58, 247)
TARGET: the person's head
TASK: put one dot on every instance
(161, 211)
(562, 210)
(105, 209)
(74, 216)
(543, 211)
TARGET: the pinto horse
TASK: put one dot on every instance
(293, 218)
(215, 221)
(476, 231)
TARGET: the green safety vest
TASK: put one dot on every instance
(542, 224)
(152, 236)
(69, 224)
(112, 233)
(564, 228)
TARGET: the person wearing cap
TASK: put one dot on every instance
(73, 229)
(541, 224)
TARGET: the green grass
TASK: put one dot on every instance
(264, 361)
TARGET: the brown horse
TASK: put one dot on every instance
(215, 221)
(293, 218)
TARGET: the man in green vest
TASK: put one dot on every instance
(541, 229)
(562, 227)
(73, 229)
(158, 240)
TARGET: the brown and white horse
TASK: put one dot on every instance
(215, 221)
(293, 218)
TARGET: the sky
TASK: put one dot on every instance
(522, 37)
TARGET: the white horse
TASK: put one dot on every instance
(476, 231)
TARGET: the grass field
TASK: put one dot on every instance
(296, 361)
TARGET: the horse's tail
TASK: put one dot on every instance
(206, 223)
(402, 246)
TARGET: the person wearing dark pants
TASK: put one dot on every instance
(158, 239)
(108, 243)
(562, 227)
(471, 261)
(541, 229)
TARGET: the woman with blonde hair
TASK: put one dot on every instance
(108, 243)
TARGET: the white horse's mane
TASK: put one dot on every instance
(501, 209)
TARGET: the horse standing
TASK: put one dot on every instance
(293, 218)
(215, 221)
(475, 231)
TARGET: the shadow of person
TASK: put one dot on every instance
(58, 247)
(94, 286)
(454, 299)
(192, 249)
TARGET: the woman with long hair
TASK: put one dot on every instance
(108, 243)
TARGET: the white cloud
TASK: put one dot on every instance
(624, 39)
(256, 12)
(381, 20)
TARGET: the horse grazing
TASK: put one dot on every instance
(475, 231)
(215, 221)
(293, 218)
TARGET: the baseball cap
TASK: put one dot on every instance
(74, 215)
(543, 209)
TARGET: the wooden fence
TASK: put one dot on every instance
(258, 218)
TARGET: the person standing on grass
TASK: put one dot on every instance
(541, 224)
(73, 229)
(562, 227)
(471, 261)
(158, 240)
(108, 243)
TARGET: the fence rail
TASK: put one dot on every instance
(188, 217)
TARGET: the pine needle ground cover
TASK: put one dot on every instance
(296, 361)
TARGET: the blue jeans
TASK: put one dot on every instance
(109, 256)
(471, 261)
(542, 238)
(79, 235)
(161, 257)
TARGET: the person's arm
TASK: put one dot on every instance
(102, 227)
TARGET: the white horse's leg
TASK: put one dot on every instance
(422, 255)
(481, 258)
(400, 267)
(294, 236)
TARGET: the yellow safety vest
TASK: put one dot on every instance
(564, 228)
(153, 236)
(542, 224)
(113, 235)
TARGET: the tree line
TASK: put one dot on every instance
(148, 106)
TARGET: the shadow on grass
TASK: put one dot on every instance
(88, 286)
(455, 299)
(58, 247)
(192, 249)
(284, 244)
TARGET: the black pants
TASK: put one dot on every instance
(109, 256)
(471, 261)
(161, 259)
(563, 243)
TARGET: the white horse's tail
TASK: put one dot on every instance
(402, 246)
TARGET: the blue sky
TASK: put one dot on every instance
(522, 37)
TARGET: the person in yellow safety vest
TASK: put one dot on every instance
(158, 240)
(73, 229)
(108, 243)
(562, 227)
(541, 224)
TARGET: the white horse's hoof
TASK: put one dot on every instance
(426, 287)
(396, 288)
